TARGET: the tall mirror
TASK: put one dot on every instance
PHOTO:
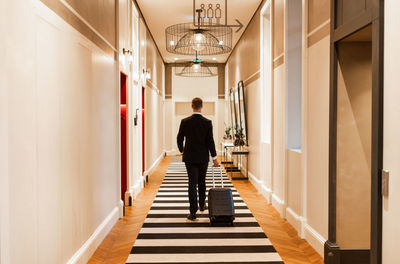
(242, 113)
(238, 115)
(233, 112)
(237, 127)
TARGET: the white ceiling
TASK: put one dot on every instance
(159, 14)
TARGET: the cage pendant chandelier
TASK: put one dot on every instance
(195, 68)
(187, 39)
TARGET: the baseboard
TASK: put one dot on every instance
(128, 197)
(279, 205)
(261, 187)
(171, 152)
(256, 182)
(154, 165)
(297, 221)
(90, 246)
(137, 188)
(121, 208)
(267, 193)
(316, 240)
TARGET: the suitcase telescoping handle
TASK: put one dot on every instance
(222, 179)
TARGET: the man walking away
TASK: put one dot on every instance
(197, 132)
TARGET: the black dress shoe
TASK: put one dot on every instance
(191, 217)
(203, 208)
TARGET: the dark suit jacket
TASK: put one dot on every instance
(198, 134)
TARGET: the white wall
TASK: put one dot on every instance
(168, 117)
(391, 150)
(279, 140)
(153, 127)
(63, 177)
(317, 134)
(4, 206)
(294, 176)
(153, 96)
(184, 89)
(252, 95)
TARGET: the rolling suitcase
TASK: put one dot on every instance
(220, 204)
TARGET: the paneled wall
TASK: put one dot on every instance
(243, 64)
(62, 171)
(241, 67)
(317, 122)
(295, 181)
(152, 62)
(391, 150)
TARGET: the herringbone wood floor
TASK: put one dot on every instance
(117, 245)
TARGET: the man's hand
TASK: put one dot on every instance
(180, 154)
(216, 164)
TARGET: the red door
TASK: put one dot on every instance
(143, 132)
(124, 165)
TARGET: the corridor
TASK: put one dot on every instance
(117, 246)
(111, 111)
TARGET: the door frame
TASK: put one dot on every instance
(124, 80)
(374, 15)
(143, 113)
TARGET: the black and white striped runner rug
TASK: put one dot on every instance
(168, 237)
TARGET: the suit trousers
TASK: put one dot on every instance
(197, 180)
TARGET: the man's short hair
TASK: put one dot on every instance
(197, 103)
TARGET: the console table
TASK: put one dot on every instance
(238, 152)
(241, 152)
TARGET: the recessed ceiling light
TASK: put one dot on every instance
(214, 58)
(176, 59)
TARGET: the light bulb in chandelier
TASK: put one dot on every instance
(196, 67)
(198, 41)
(198, 37)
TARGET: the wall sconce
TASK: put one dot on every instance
(146, 74)
(128, 55)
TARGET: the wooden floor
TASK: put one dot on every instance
(117, 245)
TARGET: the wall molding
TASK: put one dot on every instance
(255, 76)
(317, 36)
(128, 194)
(64, 12)
(137, 188)
(89, 247)
(154, 165)
(121, 208)
(305, 231)
(171, 152)
(297, 221)
(261, 187)
(279, 205)
(316, 240)
(153, 87)
(327, 22)
(70, 8)
(278, 61)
